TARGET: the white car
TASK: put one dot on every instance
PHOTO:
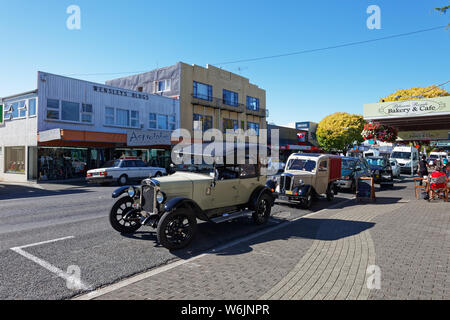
(123, 171)
(395, 168)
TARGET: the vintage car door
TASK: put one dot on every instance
(248, 182)
(225, 191)
(322, 176)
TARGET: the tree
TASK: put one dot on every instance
(416, 93)
(339, 131)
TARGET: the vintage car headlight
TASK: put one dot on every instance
(301, 182)
(131, 192)
(160, 197)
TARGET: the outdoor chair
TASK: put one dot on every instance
(418, 188)
(438, 186)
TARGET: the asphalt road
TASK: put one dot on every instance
(73, 225)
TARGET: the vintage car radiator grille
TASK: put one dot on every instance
(148, 198)
(285, 183)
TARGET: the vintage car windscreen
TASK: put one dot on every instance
(202, 168)
(301, 164)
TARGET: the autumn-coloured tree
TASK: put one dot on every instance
(416, 93)
(338, 131)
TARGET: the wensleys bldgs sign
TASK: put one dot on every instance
(409, 108)
(137, 138)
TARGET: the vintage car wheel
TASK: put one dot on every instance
(307, 202)
(330, 193)
(176, 229)
(263, 208)
(116, 216)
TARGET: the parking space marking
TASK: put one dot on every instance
(60, 273)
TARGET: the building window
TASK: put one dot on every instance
(202, 91)
(86, 113)
(163, 85)
(201, 122)
(109, 116)
(22, 109)
(252, 103)
(163, 122)
(152, 121)
(70, 111)
(230, 124)
(122, 117)
(31, 107)
(15, 160)
(52, 109)
(135, 119)
(253, 126)
(230, 98)
(172, 123)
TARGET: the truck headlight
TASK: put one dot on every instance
(301, 182)
(160, 197)
(131, 192)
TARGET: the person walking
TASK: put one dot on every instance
(423, 168)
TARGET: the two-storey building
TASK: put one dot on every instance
(68, 126)
(209, 97)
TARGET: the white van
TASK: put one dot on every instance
(437, 155)
(406, 157)
(372, 153)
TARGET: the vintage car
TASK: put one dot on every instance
(381, 170)
(307, 176)
(352, 169)
(172, 204)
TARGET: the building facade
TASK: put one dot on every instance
(68, 126)
(209, 97)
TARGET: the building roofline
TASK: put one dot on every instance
(18, 95)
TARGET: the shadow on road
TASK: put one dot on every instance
(8, 192)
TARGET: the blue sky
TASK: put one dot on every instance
(122, 36)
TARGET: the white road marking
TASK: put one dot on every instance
(64, 275)
(100, 292)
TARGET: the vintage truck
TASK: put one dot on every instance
(307, 176)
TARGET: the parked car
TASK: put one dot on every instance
(406, 157)
(123, 171)
(395, 168)
(172, 204)
(381, 170)
(307, 176)
(352, 169)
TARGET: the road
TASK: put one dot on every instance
(46, 235)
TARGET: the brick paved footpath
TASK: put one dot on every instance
(323, 256)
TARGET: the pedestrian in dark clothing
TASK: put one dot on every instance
(423, 168)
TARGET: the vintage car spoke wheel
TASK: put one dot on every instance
(176, 229)
(128, 224)
(308, 201)
(263, 208)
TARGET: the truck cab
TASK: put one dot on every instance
(307, 176)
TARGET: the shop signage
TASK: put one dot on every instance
(411, 108)
(122, 93)
(302, 125)
(50, 135)
(423, 135)
(137, 138)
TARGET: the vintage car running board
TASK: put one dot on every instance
(231, 216)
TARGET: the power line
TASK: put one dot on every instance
(332, 47)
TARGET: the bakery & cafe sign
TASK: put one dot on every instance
(412, 108)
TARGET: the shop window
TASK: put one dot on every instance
(52, 109)
(15, 160)
(31, 107)
(70, 111)
(230, 124)
(86, 113)
(162, 122)
(252, 103)
(230, 98)
(122, 117)
(61, 163)
(135, 119)
(202, 91)
(109, 116)
(152, 121)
